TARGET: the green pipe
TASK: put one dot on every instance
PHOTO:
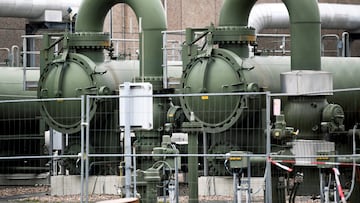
(235, 12)
(305, 34)
(305, 28)
(91, 18)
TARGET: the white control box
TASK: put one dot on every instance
(136, 105)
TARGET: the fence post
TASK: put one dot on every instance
(83, 125)
(87, 151)
(127, 138)
(268, 189)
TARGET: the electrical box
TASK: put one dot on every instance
(324, 158)
(238, 160)
(55, 137)
(136, 105)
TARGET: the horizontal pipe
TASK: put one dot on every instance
(333, 16)
(33, 9)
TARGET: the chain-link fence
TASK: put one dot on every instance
(154, 147)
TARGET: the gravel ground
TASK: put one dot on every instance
(41, 194)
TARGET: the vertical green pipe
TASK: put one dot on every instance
(153, 23)
(44, 55)
(305, 34)
(91, 18)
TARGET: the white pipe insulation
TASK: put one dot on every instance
(34, 9)
(333, 16)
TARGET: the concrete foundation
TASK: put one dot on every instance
(208, 186)
(71, 185)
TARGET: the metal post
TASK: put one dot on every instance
(268, 189)
(235, 188)
(165, 73)
(142, 53)
(87, 135)
(248, 198)
(82, 146)
(127, 137)
(193, 167)
(32, 53)
(176, 179)
(164, 188)
(345, 44)
(51, 141)
(24, 62)
(111, 23)
(206, 168)
(193, 129)
(321, 186)
(134, 162)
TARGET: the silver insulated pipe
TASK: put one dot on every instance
(333, 16)
(35, 9)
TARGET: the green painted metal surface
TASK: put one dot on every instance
(265, 72)
(306, 32)
(91, 18)
(202, 76)
(12, 88)
(235, 12)
(71, 79)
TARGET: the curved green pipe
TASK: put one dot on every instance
(235, 12)
(305, 34)
(305, 28)
(91, 18)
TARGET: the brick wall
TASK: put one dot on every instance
(11, 30)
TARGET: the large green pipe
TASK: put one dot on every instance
(91, 18)
(235, 12)
(305, 28)
(305, 34)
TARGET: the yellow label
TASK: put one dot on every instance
(235, 158)
(204, 97)
(322, 158)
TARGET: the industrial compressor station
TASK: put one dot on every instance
(311, 123)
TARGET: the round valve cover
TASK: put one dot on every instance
(66, 82)
(221, 74)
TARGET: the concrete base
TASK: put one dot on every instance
(71, 185)
(223, 186)
(208, 186)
